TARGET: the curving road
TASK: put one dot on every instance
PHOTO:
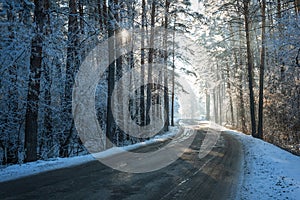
(212, 177)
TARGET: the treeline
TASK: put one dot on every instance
(44, 42)
(248, 52)
(256, 48)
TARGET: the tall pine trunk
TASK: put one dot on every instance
(173, 76)
(150, 63)
(31, 117)
(250, 67)
(73, 62)
(230, 93)
(165, 47)
(119, 68)
(47, 88)
(262, 71)
(142, 89)
(207, 104)
(110, 129)
(242, 114)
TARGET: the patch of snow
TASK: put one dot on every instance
(27, 169)
(269, 172)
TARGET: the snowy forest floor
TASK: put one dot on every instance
(268, 171)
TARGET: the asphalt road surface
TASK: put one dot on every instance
(212, 177)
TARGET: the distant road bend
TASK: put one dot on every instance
(213, 177)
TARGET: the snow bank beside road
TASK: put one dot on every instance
(27, 169)
(269, 172)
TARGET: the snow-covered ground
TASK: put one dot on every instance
(18, 171)
(269, 172)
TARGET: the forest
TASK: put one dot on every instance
(243, 58)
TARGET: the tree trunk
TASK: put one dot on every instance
(105, 15)
(240, 88)
(219, 94)
(142, 89)
(31, 117)
(207, 93)
(242, 104)
(110, 127)
(81, 15)
(230, 95)
(150, 62)
(262, 71)
(173, 76)
(72, 65)
(100, 13)
(297, 6)
(278, 8)
(215, 106)
(166, 88)
(250, 67)
(47, 88)
(119, 68)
